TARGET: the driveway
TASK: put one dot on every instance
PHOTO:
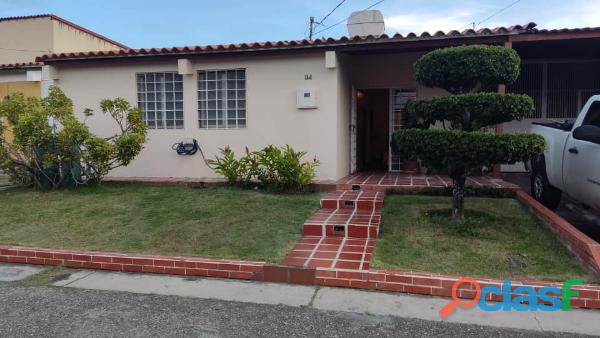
(587, 221)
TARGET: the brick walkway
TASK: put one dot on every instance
(341, 235)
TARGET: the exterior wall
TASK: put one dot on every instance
(28, 37)
(26, 87)
(23, 40)
(69, 39)
(389, 71)
(272, 117)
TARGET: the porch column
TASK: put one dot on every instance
(500, 127)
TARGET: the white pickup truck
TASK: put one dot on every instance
(571, 162)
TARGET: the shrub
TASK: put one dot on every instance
(472, 111)
(277, 169)
(465, 71)
(229, 167)
(51, 147)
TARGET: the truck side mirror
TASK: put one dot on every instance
(589, 133)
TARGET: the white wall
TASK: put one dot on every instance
(13, 76)
(272, 117)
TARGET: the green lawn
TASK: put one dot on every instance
(499, 239)
(4, 180)
(211, 222)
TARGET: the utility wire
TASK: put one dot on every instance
(320, 22)
(491, 16)
(339, 22)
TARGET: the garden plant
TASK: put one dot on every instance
(276, 169)
(44, 144)
(466, 143)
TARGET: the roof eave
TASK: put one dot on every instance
(347, 45)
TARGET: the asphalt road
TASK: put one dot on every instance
(62, 312)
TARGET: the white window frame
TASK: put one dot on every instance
(222, 100)
(178, 106)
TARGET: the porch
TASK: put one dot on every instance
(560, 71)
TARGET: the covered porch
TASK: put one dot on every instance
(560, 71)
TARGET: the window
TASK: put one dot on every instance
(160, 97)
(222, 98)
(593, 115)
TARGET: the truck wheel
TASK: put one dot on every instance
(542, 190)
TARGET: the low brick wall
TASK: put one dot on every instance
(441, 285)
(132, 262)
(584, 248)
(384, 280)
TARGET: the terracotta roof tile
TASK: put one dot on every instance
(306, 44)
(21, 65)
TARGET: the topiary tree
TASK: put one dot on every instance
(49, 146)
(465, 144)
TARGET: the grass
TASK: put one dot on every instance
(47, 276)
(212, 222)
(4, 180)
(498, 239)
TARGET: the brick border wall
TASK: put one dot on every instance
(383, 280)
(132, 262)
(441, 285)
(584, 248)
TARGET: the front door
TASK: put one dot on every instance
(399, 100)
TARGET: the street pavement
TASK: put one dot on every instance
(109, 304)
(64, 312)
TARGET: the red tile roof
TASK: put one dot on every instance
(68, 23)
(294, 44)
(21, 65)
(528, 29)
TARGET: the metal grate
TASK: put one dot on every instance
(398, 119)
(559, 89)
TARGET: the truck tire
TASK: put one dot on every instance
(541, 189)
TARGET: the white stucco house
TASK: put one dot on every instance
(337, 99)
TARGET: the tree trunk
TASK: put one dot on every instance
(458, 195)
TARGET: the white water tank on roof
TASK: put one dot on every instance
(363, 23)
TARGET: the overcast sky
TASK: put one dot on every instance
(153, 23)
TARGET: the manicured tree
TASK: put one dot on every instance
(471, 74)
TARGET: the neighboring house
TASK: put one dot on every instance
(23, 38)
(337, 99)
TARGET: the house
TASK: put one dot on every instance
(23, 38)
(337, 99)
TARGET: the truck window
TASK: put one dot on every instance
(593, 115)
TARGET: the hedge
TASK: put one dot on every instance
(446, 149)
(471, 111)
(464, 68)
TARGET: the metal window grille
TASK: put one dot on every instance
(398, 120)
(559, 89)
(222, 98)
(160, 97)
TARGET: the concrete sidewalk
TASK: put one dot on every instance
(332, 299)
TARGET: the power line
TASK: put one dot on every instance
(491, 16)
(320, 22)
(339, 22)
